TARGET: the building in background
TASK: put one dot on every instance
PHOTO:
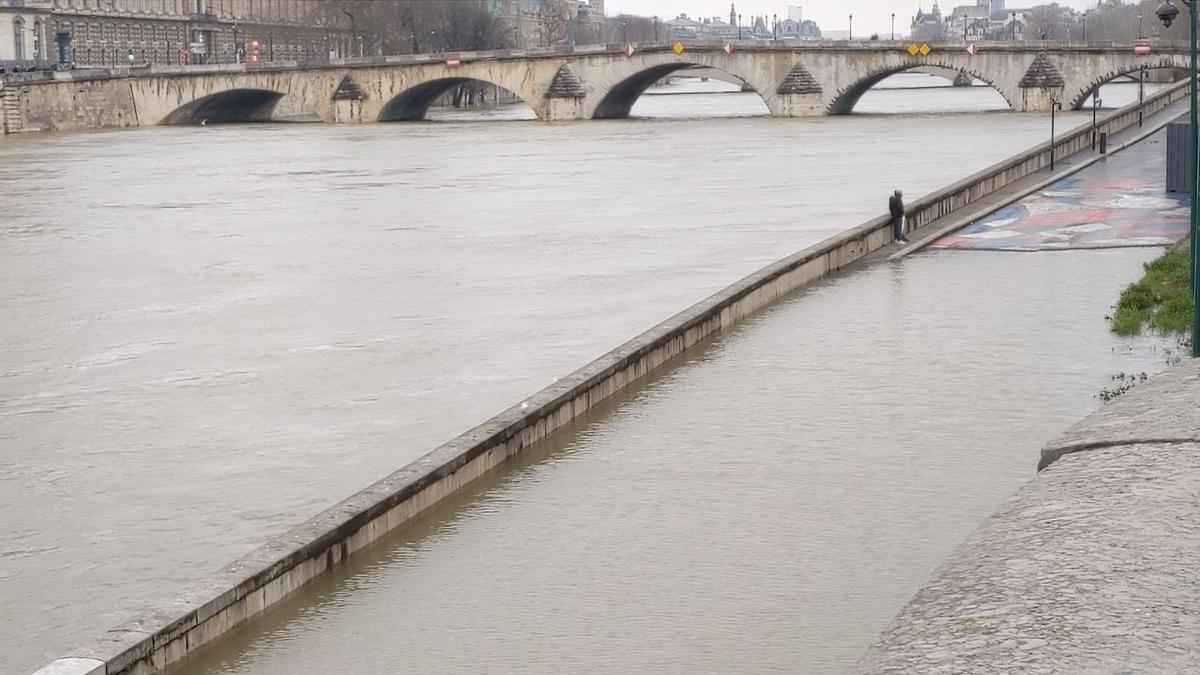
(806, 29)
(718, 29)
(971, 22)
(928, 26)
(992, 20)
(123, 32)
(22, 32)
(683, 27)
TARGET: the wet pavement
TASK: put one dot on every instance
(1120, 201)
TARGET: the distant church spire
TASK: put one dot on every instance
(732, 14)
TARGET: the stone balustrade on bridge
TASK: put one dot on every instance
(602, 82)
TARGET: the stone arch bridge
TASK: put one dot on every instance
(805, 79)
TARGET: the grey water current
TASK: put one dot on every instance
(209, 334)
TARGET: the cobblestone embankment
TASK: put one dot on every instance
(1093, 567)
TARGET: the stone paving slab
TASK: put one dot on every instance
(1092, 567)
(1164, 409)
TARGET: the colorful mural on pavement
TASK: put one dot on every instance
(1116, 203)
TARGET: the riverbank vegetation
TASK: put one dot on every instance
(1160, 302)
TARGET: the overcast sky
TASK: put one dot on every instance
(869, 15)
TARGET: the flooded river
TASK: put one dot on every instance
(767, 507)
(210, 334)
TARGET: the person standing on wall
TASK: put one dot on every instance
(896, 207)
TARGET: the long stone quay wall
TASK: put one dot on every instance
(166, 634)
(1089, 568)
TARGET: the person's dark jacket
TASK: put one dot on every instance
(896, 206)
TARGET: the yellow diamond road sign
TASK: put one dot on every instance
(678, 48)
(925, 50)
(913, 50)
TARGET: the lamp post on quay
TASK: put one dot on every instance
(1167, 12)
(1055, 104)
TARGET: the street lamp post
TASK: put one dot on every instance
(656, 28)
(893, 25)
(1055, 104)
(1085, 13)
(1166, 13)
(1140, 35)
(1096, 103)
(625, 32)
(851, 37)
(775, 26)
(1141, 91)
(739, 20)
(1014, 26)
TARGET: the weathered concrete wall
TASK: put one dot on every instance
(166, 634)
(68, 104)
(267, 575)
(1090, 568)
(793, 80)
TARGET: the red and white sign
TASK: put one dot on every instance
(452, 62)
(729, 48)
(629, 50)
(972, 49)
(1141, 47)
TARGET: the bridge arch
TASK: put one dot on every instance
(845, 100)
(1164, 63)
(233, 105)
(412, 104)
(618, 101)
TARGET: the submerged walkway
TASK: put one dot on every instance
(981, 212)
(1121, 202)
(1091, 567)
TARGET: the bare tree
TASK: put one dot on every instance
(554, 22)
(1118, 21)
(1051, 22)
(409, 26)
(630, 28)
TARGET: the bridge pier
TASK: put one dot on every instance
(561, 110)
(1040, 99)
(797, 105)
